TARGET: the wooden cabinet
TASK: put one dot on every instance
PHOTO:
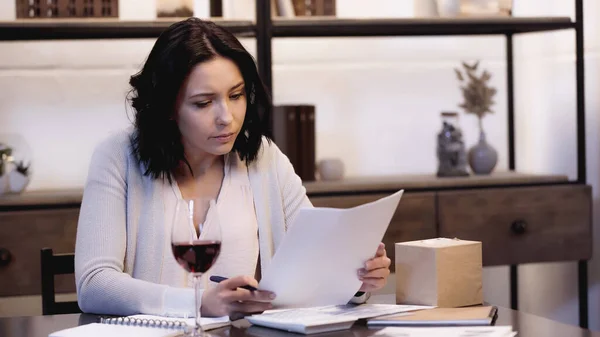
(518, 218)
(22, 235)
(521, 225)
(28, 223)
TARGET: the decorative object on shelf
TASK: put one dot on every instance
(174, 8)
(486, 7)
(15, 163)
(5, 159)
(448, 8)
(283, 8)
(313, 7)
(330, 169)
(19, 178)
(478, 100)
(36, 9)
(505, 7)
(294, 134)
(451, 154)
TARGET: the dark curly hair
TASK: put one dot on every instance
(156, 141)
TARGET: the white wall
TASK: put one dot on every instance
(375, 97)
(8, 10)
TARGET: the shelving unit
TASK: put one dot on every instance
(267, 29)
(429, 188)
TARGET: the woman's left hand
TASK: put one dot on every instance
(376, 271)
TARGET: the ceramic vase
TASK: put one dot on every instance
(3, 184)
(482, 156)
(17, 181)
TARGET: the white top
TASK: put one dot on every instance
(118, 268)
(239, 228)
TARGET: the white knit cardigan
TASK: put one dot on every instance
(121, 229)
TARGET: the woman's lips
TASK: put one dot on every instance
(225, 138)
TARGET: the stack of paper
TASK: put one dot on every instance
(491, 331)
(326, 318)
(466, 316)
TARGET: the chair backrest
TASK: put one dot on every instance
(56, 265)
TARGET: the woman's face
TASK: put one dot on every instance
(211, 107)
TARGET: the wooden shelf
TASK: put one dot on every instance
(350, 184)
(51, 198)
(331, 27)
(70, 29)
(426, 182)
(74, 29)
(41, 199)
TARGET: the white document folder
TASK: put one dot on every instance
(317, 262)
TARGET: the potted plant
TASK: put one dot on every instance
(478, 100)
(19, 178)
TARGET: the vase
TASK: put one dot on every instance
(482, 156)
(17, 181)
(3, 184)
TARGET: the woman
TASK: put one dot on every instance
(198, 127)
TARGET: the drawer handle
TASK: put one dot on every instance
(5, 257)
(519, 227)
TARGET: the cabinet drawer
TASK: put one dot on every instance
(521, 225)
(414, 218)
(23, 234)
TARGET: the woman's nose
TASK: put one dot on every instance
(224, 116)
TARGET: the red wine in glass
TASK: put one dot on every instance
(196, 244)
(196, 256)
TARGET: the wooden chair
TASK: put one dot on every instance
(56, 265)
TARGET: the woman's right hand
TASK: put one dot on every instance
(228, 299)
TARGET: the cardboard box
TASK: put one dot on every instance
(440, 272)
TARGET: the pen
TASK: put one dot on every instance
(219, 279)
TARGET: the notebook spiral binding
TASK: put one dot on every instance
(151, 323)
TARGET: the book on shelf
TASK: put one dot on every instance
(314, 7)
(464, 316)
(141, 325)
(308, 146)
(294, 134)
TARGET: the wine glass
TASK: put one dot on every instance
(196, 243)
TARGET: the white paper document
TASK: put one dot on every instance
(317, 262)
(489, 331)
(327, 318)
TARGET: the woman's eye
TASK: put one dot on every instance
(236, 96)
(202, 104)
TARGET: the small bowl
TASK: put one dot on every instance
(331, 169)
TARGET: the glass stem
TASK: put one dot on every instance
(198, 331)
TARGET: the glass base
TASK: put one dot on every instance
(193, 332)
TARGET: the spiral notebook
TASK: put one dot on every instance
(140, 325)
